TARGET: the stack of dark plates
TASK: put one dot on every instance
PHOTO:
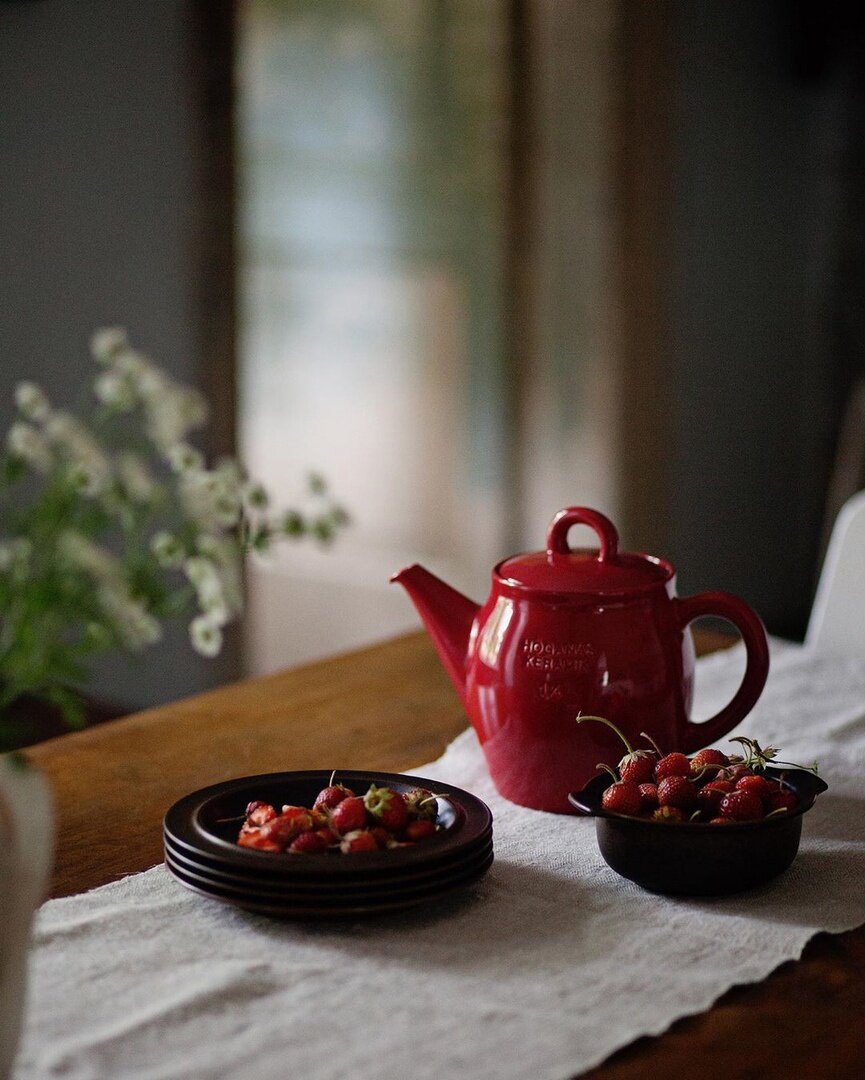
(200, 834)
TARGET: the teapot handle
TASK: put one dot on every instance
(557, 534)
(750, 626)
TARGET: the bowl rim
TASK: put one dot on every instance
(591, 806)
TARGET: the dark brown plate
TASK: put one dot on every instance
(696, 859)
(351, 907)
(283, 868)
(204, 826)
(218, 874)
(351, 896)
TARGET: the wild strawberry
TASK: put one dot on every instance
(349, 815)
(672, 765)
(677, 791)
(782, 800)
(649, 793)
(622, 798)
(721, 785)
(381, 835)
(331, 796)
(637, 766)
(308, 843)
(709, 756)
(299, 816)
(742, 806)
(251, 837)
(710, 795)
(759, 785)
(386, 807)
(259, 813)
(421, 803)
(358, 840)
(419, 829)
(737, 771)
(293, 821)
(706, 764)
(670, 814)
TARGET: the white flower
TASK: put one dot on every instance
(90, 464)
(32, 402)
(25, 442)
(226, 508)
(212, 499)
(137, 482)
(194, 489)
(135, 625)
(200, 571)
(107, 343)
(206, 636)
(115, 390)
(182, 458)
(211, 546)
(86, 479)
(230, 474)
(208, 582)
(168, 550)
(97, 561)
(215, 606)
(223, 551)
(172, 410)
(211, 596)
(137, 368)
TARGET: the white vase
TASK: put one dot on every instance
(26, 852)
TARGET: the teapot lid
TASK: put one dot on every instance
(560, 569)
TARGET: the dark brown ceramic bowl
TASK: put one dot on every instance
(696, 859)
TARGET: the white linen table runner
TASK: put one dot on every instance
(542, 969)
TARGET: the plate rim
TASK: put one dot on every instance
(474, 818)
(425, 871)
(339, 911)
(336, 898)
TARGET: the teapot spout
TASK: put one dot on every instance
(448, 617)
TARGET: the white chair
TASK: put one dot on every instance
(837, 623)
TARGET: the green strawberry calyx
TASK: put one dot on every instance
(756, 756)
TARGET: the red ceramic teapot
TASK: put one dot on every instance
(573, 631)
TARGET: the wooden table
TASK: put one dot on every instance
(390, 707)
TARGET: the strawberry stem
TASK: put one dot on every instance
(757, 756)
(610, 724)
(645, 735)
(607, 768)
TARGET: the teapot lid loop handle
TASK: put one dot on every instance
(557, 534)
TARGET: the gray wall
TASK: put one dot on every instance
(758, 141)
(100, 143)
